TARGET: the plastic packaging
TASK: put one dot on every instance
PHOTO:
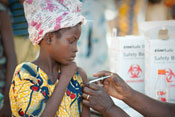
(161, 87)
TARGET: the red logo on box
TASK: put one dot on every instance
(161, 93)
(134, 71)
(170, 76)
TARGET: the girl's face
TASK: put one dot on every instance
(64, 48)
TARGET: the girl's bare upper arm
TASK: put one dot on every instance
(83, 75)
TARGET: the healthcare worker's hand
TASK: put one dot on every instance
(115, 86)
(95, 97)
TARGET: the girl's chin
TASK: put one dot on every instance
(67, 62)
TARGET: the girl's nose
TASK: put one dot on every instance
(75, 48)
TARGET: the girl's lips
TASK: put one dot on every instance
(72, 58)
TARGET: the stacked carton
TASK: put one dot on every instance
(127, 59)
(137, 58)
(159, 54)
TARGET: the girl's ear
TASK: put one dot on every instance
(48, 38)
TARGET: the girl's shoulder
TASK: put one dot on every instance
(82, 74)
(26, 69)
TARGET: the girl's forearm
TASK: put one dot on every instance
(55, 100)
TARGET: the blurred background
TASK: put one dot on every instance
(102, 16)
(124, 15)
(106, 20)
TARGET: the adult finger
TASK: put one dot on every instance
(99, 83)
(116, 78)
(106, 82)
(106, 88)
(93, 86)
(85, 96)
(88, 91)
(101, 73)
(86, 102)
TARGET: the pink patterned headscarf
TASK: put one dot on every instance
(45, 16)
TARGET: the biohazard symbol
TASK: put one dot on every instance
(169, 75)
(134, 71)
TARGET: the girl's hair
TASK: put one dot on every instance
(59, 32)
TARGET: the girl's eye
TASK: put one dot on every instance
(71, 41)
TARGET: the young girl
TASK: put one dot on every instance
(51, 85)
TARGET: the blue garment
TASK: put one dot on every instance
(20, 26)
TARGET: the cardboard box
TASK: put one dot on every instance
(127, 59)
(159, 54)
(126, 56)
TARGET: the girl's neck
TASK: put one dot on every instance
(47, 64)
